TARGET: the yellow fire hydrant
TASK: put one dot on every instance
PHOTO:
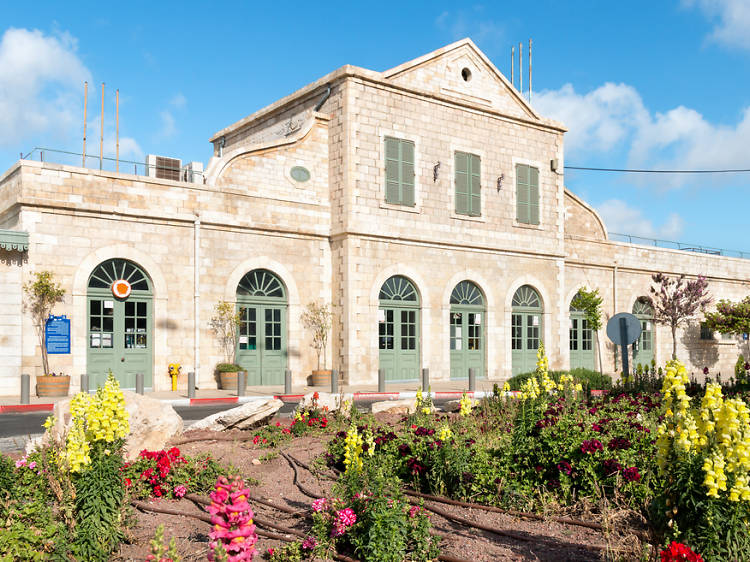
(174, 371)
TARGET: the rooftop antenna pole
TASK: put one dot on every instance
(101, 134)
(85, 103)
(117, 129)
(529, 70)
(512, 66)
(520, 68)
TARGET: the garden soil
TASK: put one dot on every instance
(546, 540)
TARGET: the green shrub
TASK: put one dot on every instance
(227, 368)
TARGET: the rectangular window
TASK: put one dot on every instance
(527, 194)
(468, 173)
(706, 332)
(399, 172)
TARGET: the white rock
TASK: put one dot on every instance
(407, 406)
(326, 401)
(242, 417)
(152, 424)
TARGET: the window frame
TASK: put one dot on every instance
(386, 137)
(470, 175)
(518, 220)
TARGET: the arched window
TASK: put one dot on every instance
(526, 328)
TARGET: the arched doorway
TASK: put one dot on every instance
(262, 347)
(581, 340)
(467, 319)
(120, 324)
(643, 349)
(526, 329)
(398, 329)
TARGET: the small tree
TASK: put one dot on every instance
(590, 303)
(730, 317)
(225, 324)
(676, 301)
(42, 294)
(317, 318)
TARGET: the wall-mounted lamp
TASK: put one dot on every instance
(500, 182)
(435, 169)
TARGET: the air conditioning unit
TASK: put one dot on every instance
(192, 172)
(163, 168)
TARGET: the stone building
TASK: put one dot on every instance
(425, 203)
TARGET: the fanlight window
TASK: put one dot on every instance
(398, 288)
(643, 307)
(112, 270)
(467, 292)
(260, 283)
(574, 308)
(527, 297)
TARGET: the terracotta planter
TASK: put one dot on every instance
(321, 377)
(228, 381)
(52, 386)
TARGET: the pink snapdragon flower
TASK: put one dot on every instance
(231, 517)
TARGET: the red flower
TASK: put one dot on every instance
(128, 482)
(158, 491)
(677, 552)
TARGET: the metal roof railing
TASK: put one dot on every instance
(107, 163)
(644, 241)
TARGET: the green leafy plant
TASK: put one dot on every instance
(225, 324)
(160, 550)
(317, 319)
(42, 294)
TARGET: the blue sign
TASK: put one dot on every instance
(57, 335)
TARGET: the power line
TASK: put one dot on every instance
(636, 171)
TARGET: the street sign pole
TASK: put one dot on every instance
(624, 343)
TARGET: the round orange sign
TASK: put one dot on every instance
(121, 289)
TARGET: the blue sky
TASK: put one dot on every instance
(639, 84)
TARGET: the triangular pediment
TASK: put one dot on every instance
(463, 72)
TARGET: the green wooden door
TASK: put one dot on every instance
(526, 329)
(467, 320)
(120, 330)
(399, 330)
(643, 348)
(262, 345)
(581, 341)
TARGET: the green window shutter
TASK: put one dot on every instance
(533, 196)
(522, 193)
(392, 190)
(475, 206)
(399, 171)
(462, 182)
(407, 173)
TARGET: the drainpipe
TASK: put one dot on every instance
(614, 303)
(196, 297)
(323, 100)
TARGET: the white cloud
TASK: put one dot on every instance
(179, 101)
(41, 85)
(598, 120)
(474, 24)
(733, 26)
(618, 216)
(168, 124)
(613, 117)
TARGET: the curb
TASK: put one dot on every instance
(293, 398)
(288, 398)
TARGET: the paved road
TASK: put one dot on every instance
(16, 428)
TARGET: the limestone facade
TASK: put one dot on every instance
(335, 237)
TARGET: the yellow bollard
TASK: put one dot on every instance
(174, 382)
(174, 370)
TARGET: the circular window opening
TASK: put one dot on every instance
(466, 74)
(300, 173)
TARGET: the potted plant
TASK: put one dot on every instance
(317, 318)
(225, 324)
(41, 296)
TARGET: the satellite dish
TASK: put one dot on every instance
(624, 328)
